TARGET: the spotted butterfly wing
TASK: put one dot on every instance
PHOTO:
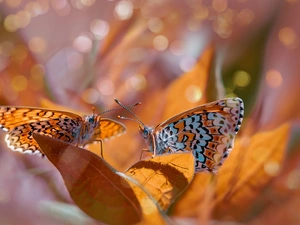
(21, 122)
(207, 130)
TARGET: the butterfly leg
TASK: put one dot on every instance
(101, 149)
(101, 146)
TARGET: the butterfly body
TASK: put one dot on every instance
(208, 131)
(21, 122)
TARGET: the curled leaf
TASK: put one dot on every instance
(165, 176)
(92, 183)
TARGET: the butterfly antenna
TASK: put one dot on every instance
(125, 107)
(127, 118)
(109, 110)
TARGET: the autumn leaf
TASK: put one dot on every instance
(93, 185)
(283, 191)
(190, 87)
(99, 190)
(251, 166)
(152, 214)
(165, 176)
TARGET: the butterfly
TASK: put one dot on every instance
(21, 122)
(207, 130)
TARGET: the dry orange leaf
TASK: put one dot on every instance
(165, 176)
(284, 191)
(184, 93)
(93, 185)
(99, 190)
(152, 214)
(252, 164)
(190, 88)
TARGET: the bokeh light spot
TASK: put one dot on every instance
(124, 9)
(99, 28)
(288, 37)
(11, 23)
(160, 43)
(155, 25)
(272, 168)
(245, 17)
(37, 8)
(241, 78)
(219, 5)
(187, 63)
(37, 45)
(58, 4)
(24, 18)
(273, 78)
(65, 10)
(106, 87)
(82, 43)
(293, 180)
(90, 96)
(193, 93)
(201, 12)
(136, 83)
(19, 83)
(87, 3)
(20, 53)
(13, 3)
(223, 24)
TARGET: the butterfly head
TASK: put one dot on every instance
(92, 120)
(145, 131)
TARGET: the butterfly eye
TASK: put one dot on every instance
(145, 133)
(91, 120)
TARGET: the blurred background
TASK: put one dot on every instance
(76, 54)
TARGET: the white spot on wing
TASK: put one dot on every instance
(3, 128)
(28, 152)
(13, 148)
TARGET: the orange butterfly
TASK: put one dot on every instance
(22, 122)
(207, 130)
